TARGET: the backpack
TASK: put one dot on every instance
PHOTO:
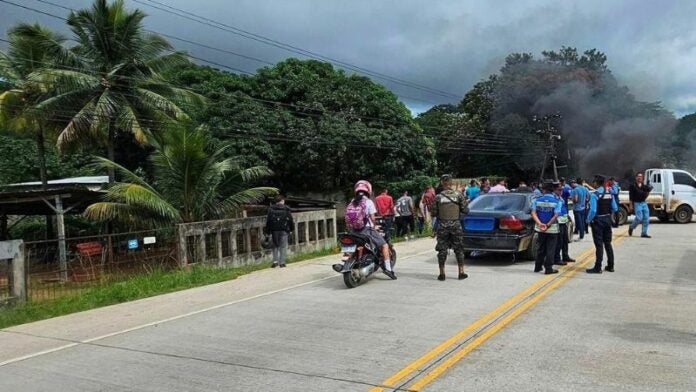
(356, 216)
(279, 219)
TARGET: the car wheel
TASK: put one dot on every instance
(531, 252)
(683, 214)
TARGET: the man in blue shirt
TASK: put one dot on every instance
(472, 191)
(545, 212)
(580, 196)
(602, 206)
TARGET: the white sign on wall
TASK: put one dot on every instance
(149, 240)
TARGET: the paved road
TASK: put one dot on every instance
(300, 329)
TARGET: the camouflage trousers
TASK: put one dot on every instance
(449, 235)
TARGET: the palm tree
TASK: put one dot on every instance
(190, 176)
(31, 48)
(117, 86)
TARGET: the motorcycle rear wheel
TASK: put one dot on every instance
(350, 280)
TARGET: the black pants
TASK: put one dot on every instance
(547, 248)
(388, 223)
(601, 235)
(562, 244)
(405, 225)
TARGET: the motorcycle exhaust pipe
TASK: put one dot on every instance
(364, 271)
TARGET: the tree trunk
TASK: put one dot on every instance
(110, 152)
(43, 176)
(41, 148)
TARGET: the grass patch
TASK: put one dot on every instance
(136, 287)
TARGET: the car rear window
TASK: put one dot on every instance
(499, 202)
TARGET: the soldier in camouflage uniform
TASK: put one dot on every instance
(447, 208)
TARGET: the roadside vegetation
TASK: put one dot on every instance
(156, 282)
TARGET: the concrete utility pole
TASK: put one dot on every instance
(551, 134)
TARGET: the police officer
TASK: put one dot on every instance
(602, 206)
(449, 204)
(561, 256)
(545, 211)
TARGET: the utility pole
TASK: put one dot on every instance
(551, 134)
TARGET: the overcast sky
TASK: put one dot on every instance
(446, 45)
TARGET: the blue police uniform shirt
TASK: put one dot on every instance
(566, 192)
(582, 193)
(594, 197)
(546, 207)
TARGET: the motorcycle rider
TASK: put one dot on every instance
(447, 209)
(363, 191)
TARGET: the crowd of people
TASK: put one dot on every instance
(441, 208)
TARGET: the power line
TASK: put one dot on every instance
(291, 48)
(487, 138)
(402, 96)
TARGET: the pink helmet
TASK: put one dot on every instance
(363, 185)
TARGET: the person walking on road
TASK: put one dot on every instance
(447, 209)
(638, 193)
(545, 212)
(602, 206)
(580, 196)
(426, 203)
(385, 210)
(279, 224)
(404, 219)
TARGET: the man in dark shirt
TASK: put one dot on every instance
(637, 193)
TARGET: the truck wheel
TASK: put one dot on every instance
(623, 215)
(683, 214)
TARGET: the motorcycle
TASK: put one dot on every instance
(361, 258)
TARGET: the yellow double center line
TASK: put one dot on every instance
(485, 327)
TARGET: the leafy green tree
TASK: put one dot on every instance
(31, 48)
(116, 85)
(20, 161)
(190, 175)
(315, 126)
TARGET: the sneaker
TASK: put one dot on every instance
(282, 266)
(593, 271)
(630, 231)
(274, 265)
(645, 236)
(537, 269)
(560, 263)
(609, 269)
(441, 277)
(551, 272)
(463, 276)
(390, 274)
(569, 260)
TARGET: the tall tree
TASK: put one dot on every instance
(116, 86)
(32, 47)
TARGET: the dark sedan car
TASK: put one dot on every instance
(501, 222)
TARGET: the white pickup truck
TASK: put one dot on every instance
(673, 196)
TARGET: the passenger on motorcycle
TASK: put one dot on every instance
(363, 191)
